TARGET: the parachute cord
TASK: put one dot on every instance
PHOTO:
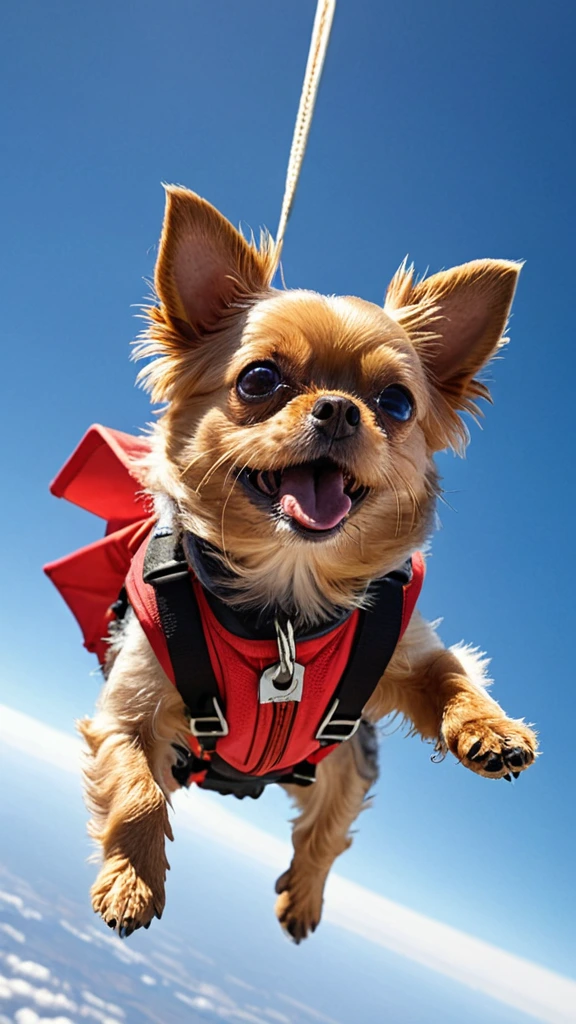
(316, 57)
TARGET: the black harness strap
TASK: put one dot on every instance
(166, 569)
(374, 644)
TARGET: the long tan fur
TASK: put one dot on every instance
(217, 314)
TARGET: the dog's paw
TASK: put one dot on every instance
(496, 747)
(299, 904)
(124, 900)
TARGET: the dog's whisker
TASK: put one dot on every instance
(223, 515)
(216, 466)
(416, 507)
(201, 455)
(390, 482)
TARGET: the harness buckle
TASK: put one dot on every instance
(210, 726)
(336, 730)
(273, 692)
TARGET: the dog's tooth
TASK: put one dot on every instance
(262, 482)
(266, 482)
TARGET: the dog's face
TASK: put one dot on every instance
(300, 429)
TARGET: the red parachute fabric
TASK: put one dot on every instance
(100, 476)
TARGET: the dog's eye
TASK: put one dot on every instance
(258, 381)
(397, 402)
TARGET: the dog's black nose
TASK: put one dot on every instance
(336, 416)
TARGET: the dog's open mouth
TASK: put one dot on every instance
(314, 497)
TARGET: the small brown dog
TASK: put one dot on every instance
(331, 502)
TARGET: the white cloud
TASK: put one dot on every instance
(101, 1004)
(99, 1015)
(111, 942)
(13, 933)
(32, 915)
(208, 991)
(147, 979)
(526, 986)
(35, 739)
(308, 1010)
(28, 1016)
(13, 901)
(28, 968)
(274, 1015)
(211, 1000)
(516, 982)
(114, 945)
(196, 1002)
(18, 988)
(242, 1015)
(18, 903)
(241, 984)
(83, 936)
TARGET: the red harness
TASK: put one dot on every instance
(261, 738)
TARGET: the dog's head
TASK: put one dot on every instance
(299, 429)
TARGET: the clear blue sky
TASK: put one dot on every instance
(443, 130)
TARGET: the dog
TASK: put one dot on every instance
(296, 438)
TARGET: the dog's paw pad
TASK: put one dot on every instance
(497, 748)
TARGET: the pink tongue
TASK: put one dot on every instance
(315, 500)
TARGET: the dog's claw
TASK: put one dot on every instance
(516, 775)
(294, 932)
(112, 923)
(507, 777)
(127, 928)
(516, 757)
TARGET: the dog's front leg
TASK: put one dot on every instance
(443, 693)
(321, 832)
(130, 822)
(127, 774)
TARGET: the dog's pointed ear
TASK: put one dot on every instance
(205, 267)
(456, 320)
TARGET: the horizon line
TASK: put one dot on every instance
(538, 992)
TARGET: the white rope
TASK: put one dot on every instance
(316, 57)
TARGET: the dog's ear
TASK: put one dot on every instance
(456, 320)
(205, 268)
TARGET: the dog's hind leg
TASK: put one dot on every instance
(321, 832)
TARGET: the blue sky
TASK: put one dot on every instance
(444, 131)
